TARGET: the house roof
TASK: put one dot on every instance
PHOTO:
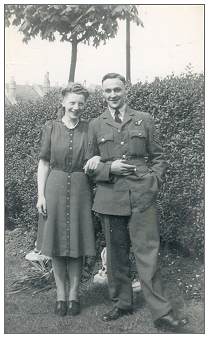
(26, 93)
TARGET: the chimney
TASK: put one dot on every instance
(46, 86)
(12, 91)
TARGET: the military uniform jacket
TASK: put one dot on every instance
(136, 141)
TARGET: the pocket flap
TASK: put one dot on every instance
(104, 138)
(137, 133)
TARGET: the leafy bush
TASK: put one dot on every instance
(176, 103)
(23, 125)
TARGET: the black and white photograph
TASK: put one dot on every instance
(104, 168)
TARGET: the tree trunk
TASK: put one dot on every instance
(128, 53)
(73, 61)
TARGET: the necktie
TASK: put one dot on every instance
(117, 118)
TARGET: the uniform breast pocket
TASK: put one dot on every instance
(106, 144)
(137, 142)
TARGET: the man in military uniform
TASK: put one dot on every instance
(128, 178)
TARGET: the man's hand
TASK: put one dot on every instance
(119, 167)
(92, 164)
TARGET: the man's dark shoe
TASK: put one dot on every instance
(115, 313)
(61, 308)
(170, 322)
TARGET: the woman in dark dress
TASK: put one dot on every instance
(65, 231)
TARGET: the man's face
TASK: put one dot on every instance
(114, 92)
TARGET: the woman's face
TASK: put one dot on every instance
(74, 105)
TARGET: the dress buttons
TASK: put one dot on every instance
(122, 142)
(70, 148)
(103, 139)
(124, 156)
(140, 134)
(118, 130)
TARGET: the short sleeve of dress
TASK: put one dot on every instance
(45, 150)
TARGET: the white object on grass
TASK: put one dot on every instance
(36, 256)
(101, 276)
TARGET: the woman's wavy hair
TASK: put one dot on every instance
(75, 88)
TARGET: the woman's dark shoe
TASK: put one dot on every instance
(73, 308)
(60, 308)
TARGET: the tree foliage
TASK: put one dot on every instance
(90, 24)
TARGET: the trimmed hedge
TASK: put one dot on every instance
(176, 103)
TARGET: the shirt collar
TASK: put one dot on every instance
(122, 111)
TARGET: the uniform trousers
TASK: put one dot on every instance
(141, 229)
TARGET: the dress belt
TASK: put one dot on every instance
(69, 171)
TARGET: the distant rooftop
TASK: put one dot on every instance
(15, 92)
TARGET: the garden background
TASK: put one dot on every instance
(177, 105)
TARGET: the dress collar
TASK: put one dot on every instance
(72, 127)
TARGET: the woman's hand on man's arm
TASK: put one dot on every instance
(92, 164)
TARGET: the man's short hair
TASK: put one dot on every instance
(114, 76)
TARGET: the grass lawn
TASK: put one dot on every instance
(183, 278)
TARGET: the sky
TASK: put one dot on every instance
(172, 38)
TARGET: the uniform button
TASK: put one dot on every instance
(71, 141)
(140, 134)
(118, 130)
(124, 156)
(103, 139)
(70, 148)
(122, 142)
